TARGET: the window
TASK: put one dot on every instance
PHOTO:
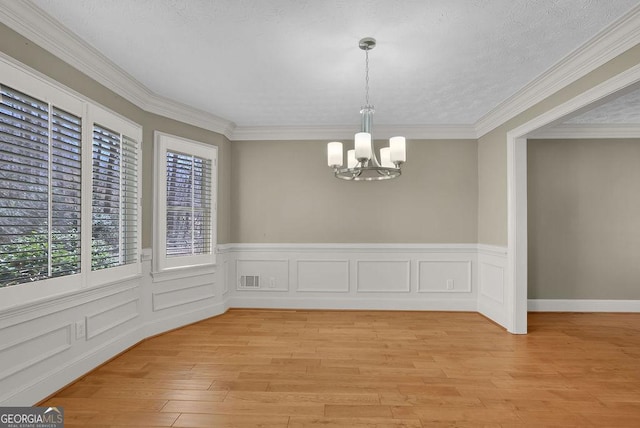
(185, 202)
(40, 189)
(69, 190)
(115, 196)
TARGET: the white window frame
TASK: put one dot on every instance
(162, 143)
(24, 79)
(108, 119)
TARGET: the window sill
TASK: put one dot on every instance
(183, 272)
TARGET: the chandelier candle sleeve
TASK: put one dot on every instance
(385, 157)
(351, 159)
(334, 154)
(363, 146)
(398, 149)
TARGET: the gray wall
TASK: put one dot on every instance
(492, 149)
(283, 192)
(434, 201)
(39, 59)
(584, 219)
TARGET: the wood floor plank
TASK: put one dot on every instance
(92, 404)
(329, 369)
(319, 398)
(161, 394)
(195, 420)
(326, 422)
(357, 411)
(244, 408)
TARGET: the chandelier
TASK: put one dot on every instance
(362, 163)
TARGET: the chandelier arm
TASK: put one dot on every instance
(374, 158)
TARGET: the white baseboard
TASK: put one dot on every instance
(583, 305)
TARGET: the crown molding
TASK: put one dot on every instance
(29, 20)
(187, 114)
(612, 41)
(430, 132)
(588, 131)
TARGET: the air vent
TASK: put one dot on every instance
(250, 281)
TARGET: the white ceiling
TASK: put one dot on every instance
(625, 109)
(297, 63)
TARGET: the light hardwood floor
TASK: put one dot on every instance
(250, 368)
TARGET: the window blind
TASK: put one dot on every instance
(188, 202)
(114, 201)
(66, 191)
(40, 189)
(129, 192)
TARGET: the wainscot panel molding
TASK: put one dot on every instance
(267, 274)
(111, 317)
(444, 276)
(383, 276)
(492, 265)
(583, 305)
(31, 350)
(323, 276)
(352, 276)
(50, 343)
(173, 297)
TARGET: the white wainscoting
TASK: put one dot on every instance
(492, 266)
(113, 316)
(323, 276)
(273, 274)
(172, 297)
(383, 276)
(48, 344)
(444, 276)
(353, 276)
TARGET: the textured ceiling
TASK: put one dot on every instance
(296, 62)
(623, 110)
